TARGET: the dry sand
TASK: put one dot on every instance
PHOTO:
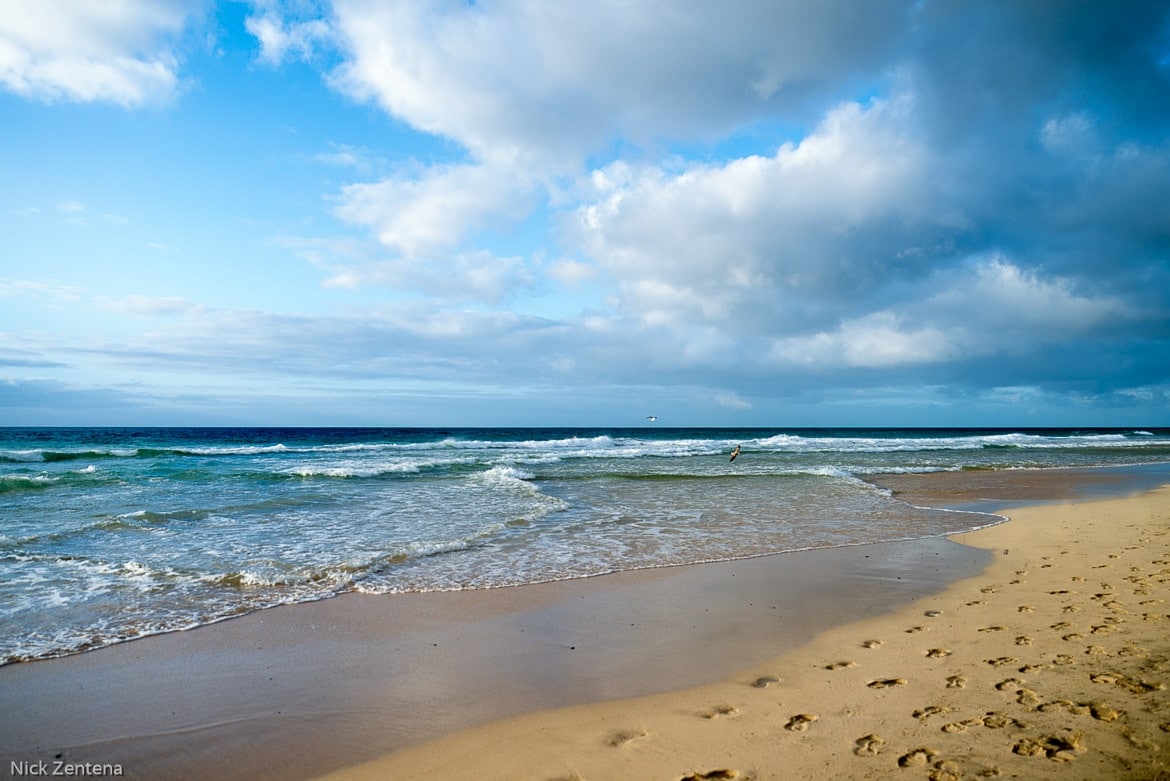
(1053, 663)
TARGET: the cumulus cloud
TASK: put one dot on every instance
(828, 200)
(554, 81)
(750, 240)
(435, 210)
(937, 223)
(121, 52)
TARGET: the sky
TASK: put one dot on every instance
(511, 212)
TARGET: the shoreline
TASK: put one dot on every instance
(299, 691)
(1058, 652)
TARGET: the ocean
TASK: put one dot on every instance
(110, 534)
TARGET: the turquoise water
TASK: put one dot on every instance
(109, 534)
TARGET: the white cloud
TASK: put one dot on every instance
(345, 156)
(994, 295)
(118, 51)
(472, 275)
(552, 81)
(880, 340)
(438, 209)
(572, 272)
(280, 37)
(743, 239)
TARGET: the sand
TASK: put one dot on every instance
(1054, 662)
(297, 691)
(748, 669)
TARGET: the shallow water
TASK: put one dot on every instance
(108, 534)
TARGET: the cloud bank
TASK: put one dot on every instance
(764, 203)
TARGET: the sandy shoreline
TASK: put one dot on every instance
(1054, 662)
(298, 692)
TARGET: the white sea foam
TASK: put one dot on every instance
(198, 526)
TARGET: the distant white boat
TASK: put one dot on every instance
(651, 418)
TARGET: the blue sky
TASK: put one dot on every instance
(517, 213)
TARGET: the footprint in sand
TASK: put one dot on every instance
(712, 775)
(955, 727)
(764, 681)
(916, 629)
(933, 613)
(991, 629)
(1076, 709)
(1095, 650)
(997, 720)
(1134, 685)
(1060, 625)
(873, 644)
(1061, 748)
(957, 682)
(946, 770)
(624, 737)
(869, 746)
(1023, 640)
(922, 714)
(800, 722)
(719, 711)
(885, 683)
(937, 653)
(1026, 609)
(840, 665)
(917, 758)
(1009, 683)
(1104, 712)
(1001, 661)
(1027, 697)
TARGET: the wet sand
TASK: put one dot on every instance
(1054, 662)
(300, 691)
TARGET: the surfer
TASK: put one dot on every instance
(734, 453)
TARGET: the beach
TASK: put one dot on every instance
(1009, 651)
(1053, 662)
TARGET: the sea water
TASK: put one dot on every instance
(109, 534)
